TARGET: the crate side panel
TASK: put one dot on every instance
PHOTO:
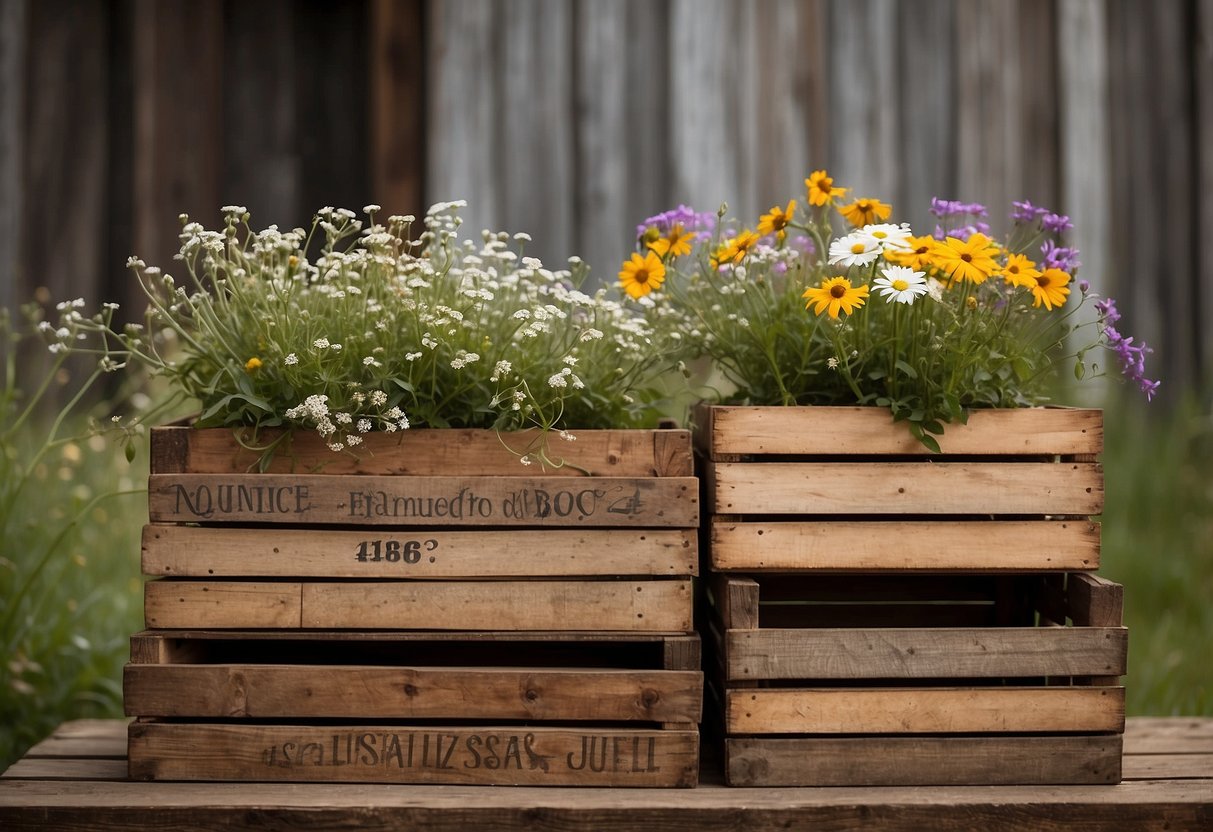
(424, 452)
(530, 756)
(207, 551)
(479, 693)
(238, 604)
(968, 546)
(869, 430)
(925, 710)
(926, 653)
(924, 761)
(846, 488)
(540, 502)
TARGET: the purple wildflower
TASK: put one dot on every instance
(946, 208)
(1026, 212)
(1084, 286)
(1132, 356)
(1056, 223)
(802, 244)
(690, 220)
(1059, 257)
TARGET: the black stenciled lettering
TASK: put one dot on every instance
(368, 754)
(337, 759)
(534, 758)
(652, 766)
(446, 757)
(512, 752)
(584, 755)
(392, 750)
(617, 744)
(473, 743)
(200, 503)
(492, 761)
(598, 764)
(316, 750)
(543, 504)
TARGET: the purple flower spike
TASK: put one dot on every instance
(1056, 223)
(690, 219)
(1059, 257)
(1108, 313)
(1132, 356)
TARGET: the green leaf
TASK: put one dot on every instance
(129, 451)
(906, 369)
(1080, 370)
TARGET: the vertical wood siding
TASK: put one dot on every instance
(574, 120)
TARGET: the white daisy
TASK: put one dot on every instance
(853, 250)
(901, 284)
(887, 235)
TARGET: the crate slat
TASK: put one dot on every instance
(424, 501)
(914, 761)
(427, 452)
(655, 606)
(205, 551)
(854, 488)
(925, 653)
(867, 431)
(962, 546)
(532, 756)
(358, 692)
(954, 710)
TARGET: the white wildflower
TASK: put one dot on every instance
(291, 359)
(364, 425)
(321, 343)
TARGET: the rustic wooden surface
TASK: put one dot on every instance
(654, 606)
(77, 780)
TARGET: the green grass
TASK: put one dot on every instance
(1158, 543)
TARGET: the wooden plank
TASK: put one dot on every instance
(359, 692)
(437, 754)
(867, 431)
(926, 653)
(924, 710)
(424, 501)
(652, 606)
(109, 745)
(1095, 601)
(913, 761)
(792, 615)
(192, 551)
(69, 769)
(397, 105)
(1175, 735)
(860, 589)
(179, 639)
(847, 488)
(1169, 767)
(422, 451)
(980, 546)
(226, 604)
(736, 600)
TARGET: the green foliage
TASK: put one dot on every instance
(70, 512)
(1158, 543)
(376, 330)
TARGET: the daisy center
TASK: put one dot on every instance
(1013, 269)
(641, 276)
(920, 250)
(838, 291)
(857, 248)
(880, 235)
(1042, 281)
(900, 285)
(968, 258)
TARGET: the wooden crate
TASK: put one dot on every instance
(845, 489)
(423, 529)
(918, 679)
(560, 708)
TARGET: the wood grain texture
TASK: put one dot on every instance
(869, 431)
(1095, 601)
(439, 754)
(537, 502)
(736, 601)
(890, 488)
(652, 606)
(926, 653)
(397, 105)
(925, 710)
(910, 761)
(354, 692)
(927, 545)
(194, 551)
(427, 452)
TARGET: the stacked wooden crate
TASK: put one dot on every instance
(880, 615)
(428, 611)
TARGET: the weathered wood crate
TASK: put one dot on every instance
(918, 679)
(424, 529)
(561, 708)
(845, 489)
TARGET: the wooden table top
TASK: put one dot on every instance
(76, 779)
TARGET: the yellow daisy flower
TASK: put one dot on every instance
(834, 295)
(919, 253)
(735, 250)
(971, 259)
(865, 211)
(1020, 271)
(642, 274)
(821, 189)
(1050, 289)
(252, 365)
(676, 243)
(776, 221)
